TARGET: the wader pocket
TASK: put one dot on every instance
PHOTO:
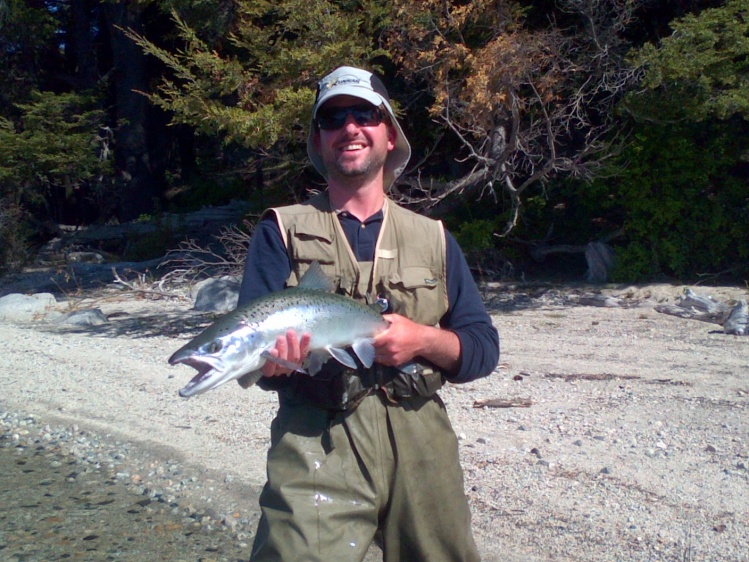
(417, 380)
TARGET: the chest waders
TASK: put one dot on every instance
(357, 452)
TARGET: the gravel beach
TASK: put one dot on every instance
(605, 434)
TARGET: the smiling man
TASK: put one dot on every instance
(360, 453)
(353, 152)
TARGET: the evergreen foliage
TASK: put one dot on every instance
(702, 69)
(257, 91)
(514, 110)
(27, 32)
(683, 189)
(53, 153)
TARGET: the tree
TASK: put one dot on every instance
(682, 191)
(55, 153)
(520, 97)
(700, 71)
(255, 87)
(27, 52)
(527, 98)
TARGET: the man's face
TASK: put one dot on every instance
(354, 151)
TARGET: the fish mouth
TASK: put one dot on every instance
(201, 382)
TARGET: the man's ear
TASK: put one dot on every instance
(392, 136)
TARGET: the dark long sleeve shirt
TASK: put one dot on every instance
(268, 267)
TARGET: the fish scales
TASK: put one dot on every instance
(331, 320)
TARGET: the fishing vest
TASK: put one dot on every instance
(409, 270)
(409, 267)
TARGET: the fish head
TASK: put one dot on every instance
(219, 356)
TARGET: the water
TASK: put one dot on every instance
(51, 509)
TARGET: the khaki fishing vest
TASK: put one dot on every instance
(409, 268)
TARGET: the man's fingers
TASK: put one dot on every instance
(269, 368)
(289, 352)
(304, 345)
(292, 349)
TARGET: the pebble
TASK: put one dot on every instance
(75, 458)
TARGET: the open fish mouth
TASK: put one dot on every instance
(205, 371)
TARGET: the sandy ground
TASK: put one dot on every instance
(629, 438)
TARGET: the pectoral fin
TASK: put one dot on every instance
(342, 356)
(365, 351)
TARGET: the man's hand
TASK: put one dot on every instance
(405, 339)
(289, 348)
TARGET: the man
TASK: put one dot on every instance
(359, 452)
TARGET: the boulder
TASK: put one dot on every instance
(86, 317)
(217, 295)
(26, 308)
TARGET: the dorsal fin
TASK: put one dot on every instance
(315, 278)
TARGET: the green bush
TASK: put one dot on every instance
(684, 214)
(476, 236)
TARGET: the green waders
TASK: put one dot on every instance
(335, 478)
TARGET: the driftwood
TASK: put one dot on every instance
(697, 307)
(733, 317)
(99, 242)
(502, 403)
(604, 301)
(207, 216)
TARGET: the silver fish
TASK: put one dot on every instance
(238, 344)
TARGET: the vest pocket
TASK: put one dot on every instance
(307, 247)
(415, 289)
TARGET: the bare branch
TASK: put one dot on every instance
(192, 261)
(524, 106)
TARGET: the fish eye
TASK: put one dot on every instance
(214, 347)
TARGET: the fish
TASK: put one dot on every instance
(238, 344)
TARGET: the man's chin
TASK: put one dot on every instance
(360, 171)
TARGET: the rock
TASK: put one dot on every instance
(88, 317)
(217, 295)
(26, 308)
(85, 257)
(599, 300)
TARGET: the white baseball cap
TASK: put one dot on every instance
(350, 81)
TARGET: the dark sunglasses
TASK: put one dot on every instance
(332, 118)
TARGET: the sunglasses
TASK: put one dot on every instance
(332, 118)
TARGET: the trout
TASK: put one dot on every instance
(238, 344)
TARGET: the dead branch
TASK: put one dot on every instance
(191, 261)
(139, 288)
(503, 403)
(694, 306)
(544, 108)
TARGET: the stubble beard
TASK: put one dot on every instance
(361, 172)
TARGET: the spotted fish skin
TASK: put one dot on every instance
(238, 344)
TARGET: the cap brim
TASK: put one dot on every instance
(362, 93)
